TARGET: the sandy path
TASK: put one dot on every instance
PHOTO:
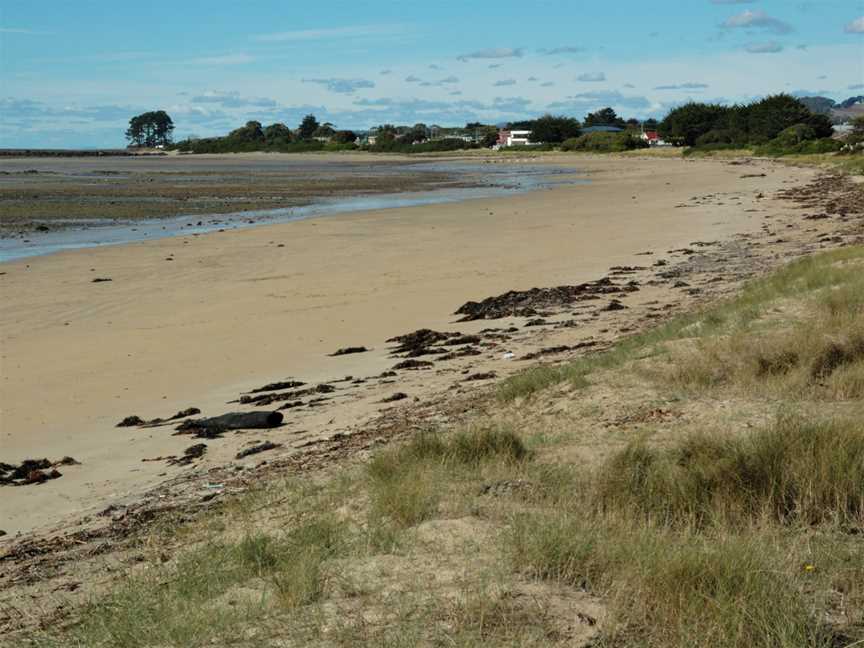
(234, 310)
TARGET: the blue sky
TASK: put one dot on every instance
(72, 73)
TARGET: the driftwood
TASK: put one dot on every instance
(231, 421)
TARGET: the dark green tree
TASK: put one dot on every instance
(604, 117)
(551, 129)
(308, 127)
(691, 121)
(650, 124)
(345, 137)
(819, 105)
(325, 130)
(767, 118)
(277, 134)
(821, 125)
(150, 129)
(248, 134)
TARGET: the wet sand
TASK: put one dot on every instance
(195, 320)
(52, 193)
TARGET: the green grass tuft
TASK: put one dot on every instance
(406, 483)
(673, 590)
(794, 472)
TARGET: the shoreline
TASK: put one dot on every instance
(433, 183)
(198, 331)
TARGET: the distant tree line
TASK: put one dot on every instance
(776, 125)
(310, 135)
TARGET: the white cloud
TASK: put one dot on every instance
(329, 33)
(493, 53)
(690, 85)
(22, 31)
(568, 49)
(592, 77)
(225, 59)
(855, 27)
(771, 47)
(757, 19)
(232, 100)
(342, 86)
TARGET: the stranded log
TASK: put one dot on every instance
(234, 421)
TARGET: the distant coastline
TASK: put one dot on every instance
(17, 153)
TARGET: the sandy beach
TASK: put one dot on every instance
(196, 320)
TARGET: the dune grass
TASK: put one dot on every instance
(407, 482)
(833, 279)
(176, 603)
(710, 541)
(795, 472)
(818, 355)
(669, 589)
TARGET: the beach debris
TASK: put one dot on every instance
(525, 303)
(39, 476)
(462, 339)
(213, 427)
(286, 384)
(614, 305)
(267, 398)
(487, 375)
(460, 353)
(559, 349)
(508, 355)
(292, 405)
(190, 454)
(32, 471)
(395, 397)
(349, 351)
(413, 364)
(255, 449)
(101, 279)
(137, 421)
(418, 342)
(131, 421)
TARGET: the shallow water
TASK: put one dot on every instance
(492, 181)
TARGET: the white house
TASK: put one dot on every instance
(514, 138)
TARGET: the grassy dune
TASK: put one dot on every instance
(701, 484)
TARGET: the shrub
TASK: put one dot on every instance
(722, 136)
(794, 135)
(777, 148)
(605, 142)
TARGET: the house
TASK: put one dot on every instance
(514, 138)
(653, 138)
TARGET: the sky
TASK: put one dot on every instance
(73, 73)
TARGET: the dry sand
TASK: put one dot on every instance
(234, 310)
